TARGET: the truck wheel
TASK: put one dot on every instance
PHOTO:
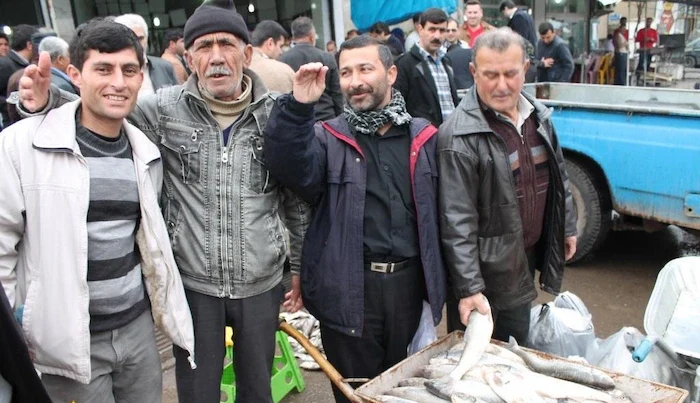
(593, 221)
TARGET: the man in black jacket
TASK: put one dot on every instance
(425, 76)
(504, 203)
(519, 21)
(555, 63)
(18, 58)
(304, 51)
(460, 56)
(372, 251)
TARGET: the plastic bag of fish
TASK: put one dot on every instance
(478, 371)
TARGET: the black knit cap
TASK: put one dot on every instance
(215, 16)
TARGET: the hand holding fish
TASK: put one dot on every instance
(467, 305)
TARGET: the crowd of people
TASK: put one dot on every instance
(141, 191)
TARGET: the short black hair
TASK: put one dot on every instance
(21, 34)
(364, 41)
(472, 3)
(265, 30)
(172, 35)
(506, 4)
(380, 28)
(434, 16)
(416, 17)
(623, 19)
(545, 27)
(105, 37)
(4, 36)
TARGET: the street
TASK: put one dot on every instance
(615, 285)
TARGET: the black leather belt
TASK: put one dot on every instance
(392, 267)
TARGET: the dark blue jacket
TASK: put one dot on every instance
(325, 165)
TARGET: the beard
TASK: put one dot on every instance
(369, 103)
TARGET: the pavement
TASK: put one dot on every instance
(615, 285)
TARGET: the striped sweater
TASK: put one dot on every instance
(115, 282)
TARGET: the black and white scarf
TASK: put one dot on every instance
(369, 122)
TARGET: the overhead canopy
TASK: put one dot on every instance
(364, 13)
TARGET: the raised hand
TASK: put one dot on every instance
(34, 84)
(309, 82)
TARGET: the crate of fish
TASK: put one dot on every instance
(458, 370)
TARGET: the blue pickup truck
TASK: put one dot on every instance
(632, 154)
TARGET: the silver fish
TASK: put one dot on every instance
(569, 371)
(462, 398)
(435, 371)
(511, 387)
(415, 381)
(477, 336)
(504, 353)
(418, 394)
(447, 387)
(393, 399)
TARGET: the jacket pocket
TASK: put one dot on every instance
(260, 180)
(183, 151)
(501, 258)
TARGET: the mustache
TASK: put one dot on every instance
(502, 93)
(218, 70)
(436, 42)
(359, 90)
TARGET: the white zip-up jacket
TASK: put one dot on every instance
(44, 198)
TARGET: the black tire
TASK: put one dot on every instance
(591, 203)
(689, 61)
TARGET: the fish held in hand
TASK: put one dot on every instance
(476, 336)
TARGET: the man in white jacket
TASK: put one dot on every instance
(85, 258)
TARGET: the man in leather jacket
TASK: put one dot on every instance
(504, 201)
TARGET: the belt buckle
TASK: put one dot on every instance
(382, 267)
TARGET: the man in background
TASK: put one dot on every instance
(519, 21)
(621, 41)
(304, 51)
(331, 47)
(19, 57)
(473, 24)
(174, 50)
(647, 38)
(351, 34)
(459, 54)
(413, 37)
(4, 44)
(267, 40)
(381, 32)
(555, 63)
(57, 49)
(425, 77)
(157, 73)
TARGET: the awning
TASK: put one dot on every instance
(364, 13)
(606, 3)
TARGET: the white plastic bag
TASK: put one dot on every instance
(563, 327)
(425, 334)
(615, 354)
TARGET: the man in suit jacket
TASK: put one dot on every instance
(304, 51)
(57, 49)
(459, 54)
(18, 58)
(425, 76)
(522, 23)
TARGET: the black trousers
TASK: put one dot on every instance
(254, 322)
(620, 68)
(506, 322)
(393, 305)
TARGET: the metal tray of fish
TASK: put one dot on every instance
(637, 390)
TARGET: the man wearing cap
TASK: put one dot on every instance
(221, 205)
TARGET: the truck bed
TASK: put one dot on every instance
(618, 98)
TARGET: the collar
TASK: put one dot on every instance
(513, 14)
(257, 53)
(19, 56)
(57, 132)
(428, 57)
(525, 109)
(60, 73)
(472, 119)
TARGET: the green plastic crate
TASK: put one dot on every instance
(285, 376)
